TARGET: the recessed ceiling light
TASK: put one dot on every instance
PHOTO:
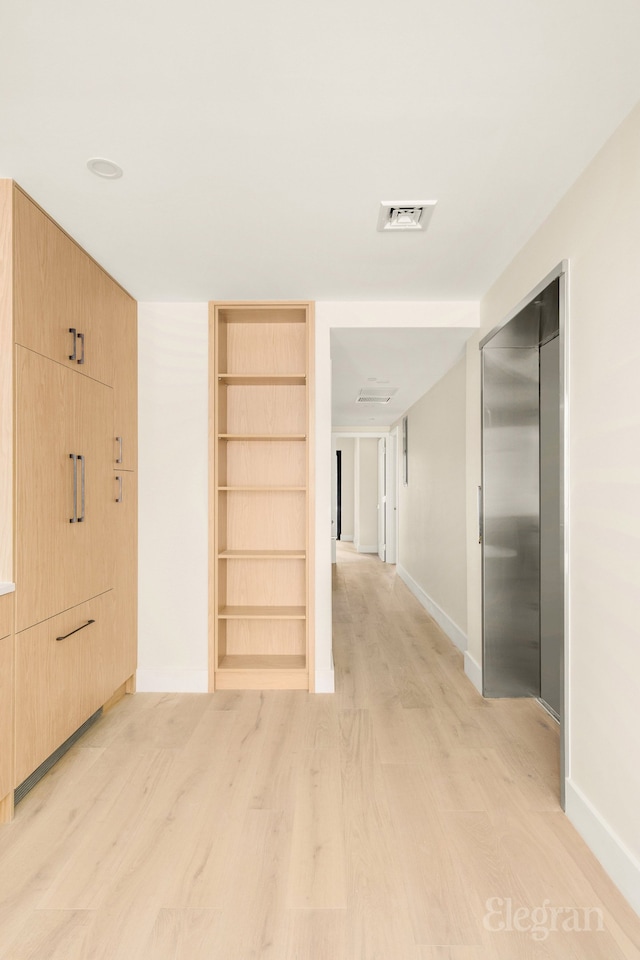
(104, 168)
(406, 215)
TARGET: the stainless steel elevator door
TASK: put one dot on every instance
(511, 541)
(551, 561)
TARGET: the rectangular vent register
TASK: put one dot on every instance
(261, 543)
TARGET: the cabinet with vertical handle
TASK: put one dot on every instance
(62, 299)
(67, 488)
(63, 488)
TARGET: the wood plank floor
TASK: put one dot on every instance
(374, 824)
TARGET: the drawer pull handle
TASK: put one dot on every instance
(71, 632)
(81, 339)
(119, 497)
(119, 458)
(74, 457)
(73, 356)
(81, 458)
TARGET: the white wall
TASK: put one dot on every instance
(173, 401)
(172, 525)
(432, 507)
(366, 495)
(597, 227)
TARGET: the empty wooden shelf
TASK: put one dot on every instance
(261, 510)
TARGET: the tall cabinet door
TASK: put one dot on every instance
(124, 327)
(60, 295)
(63, 486)
(123, 648)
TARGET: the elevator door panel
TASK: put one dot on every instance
(551, 562)
(511, 558)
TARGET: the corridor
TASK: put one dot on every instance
(403, 818)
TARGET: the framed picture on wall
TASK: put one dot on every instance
(405, 451)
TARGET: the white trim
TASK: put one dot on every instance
(346, 539)
(615, 857)
(367, 549)
(325, 681)
(444, 621)
(172, 681)
(473, 671)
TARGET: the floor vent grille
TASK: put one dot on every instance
(23, 789)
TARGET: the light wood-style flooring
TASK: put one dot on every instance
(373, 824)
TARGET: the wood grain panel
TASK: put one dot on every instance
(57, 287)
(264, 348)
(58, 563)
(250, 637)
(124, 330)
(6, 614)
(60, 683)
(123, 528)
(6, 380)
(261, 462)
(6, 721)
(274, 521)
(265, 409)
(260, 583)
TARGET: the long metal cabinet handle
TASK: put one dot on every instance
(480, 516)
(74, 518)
(82, 460)
(77, 629)
(119, 497)
(81, 339)
(72, 356)
(119, 440)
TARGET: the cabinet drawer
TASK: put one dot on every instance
(6, 614)
(60, 682)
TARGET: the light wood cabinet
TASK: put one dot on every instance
(261, 511)
(125, 431)
(60, 295)
(125, 576)
(69, 370)
(63, 675)
(63, 488)
(6, 707)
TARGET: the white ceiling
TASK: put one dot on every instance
(257, 139)
(409, 360)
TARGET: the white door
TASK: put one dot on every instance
(391, 494)
(382, 499)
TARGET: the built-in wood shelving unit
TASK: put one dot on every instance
(261, 504)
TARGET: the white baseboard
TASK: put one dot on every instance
(366, 549)
(452, 630)
(615, 857)
(172, 681)
(326, 680)
(346, 539)
(473, 671)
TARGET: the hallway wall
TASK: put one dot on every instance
(597, 227)
(366, 495)
(432, 514)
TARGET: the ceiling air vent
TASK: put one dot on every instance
(376, 395)
(405, 216)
